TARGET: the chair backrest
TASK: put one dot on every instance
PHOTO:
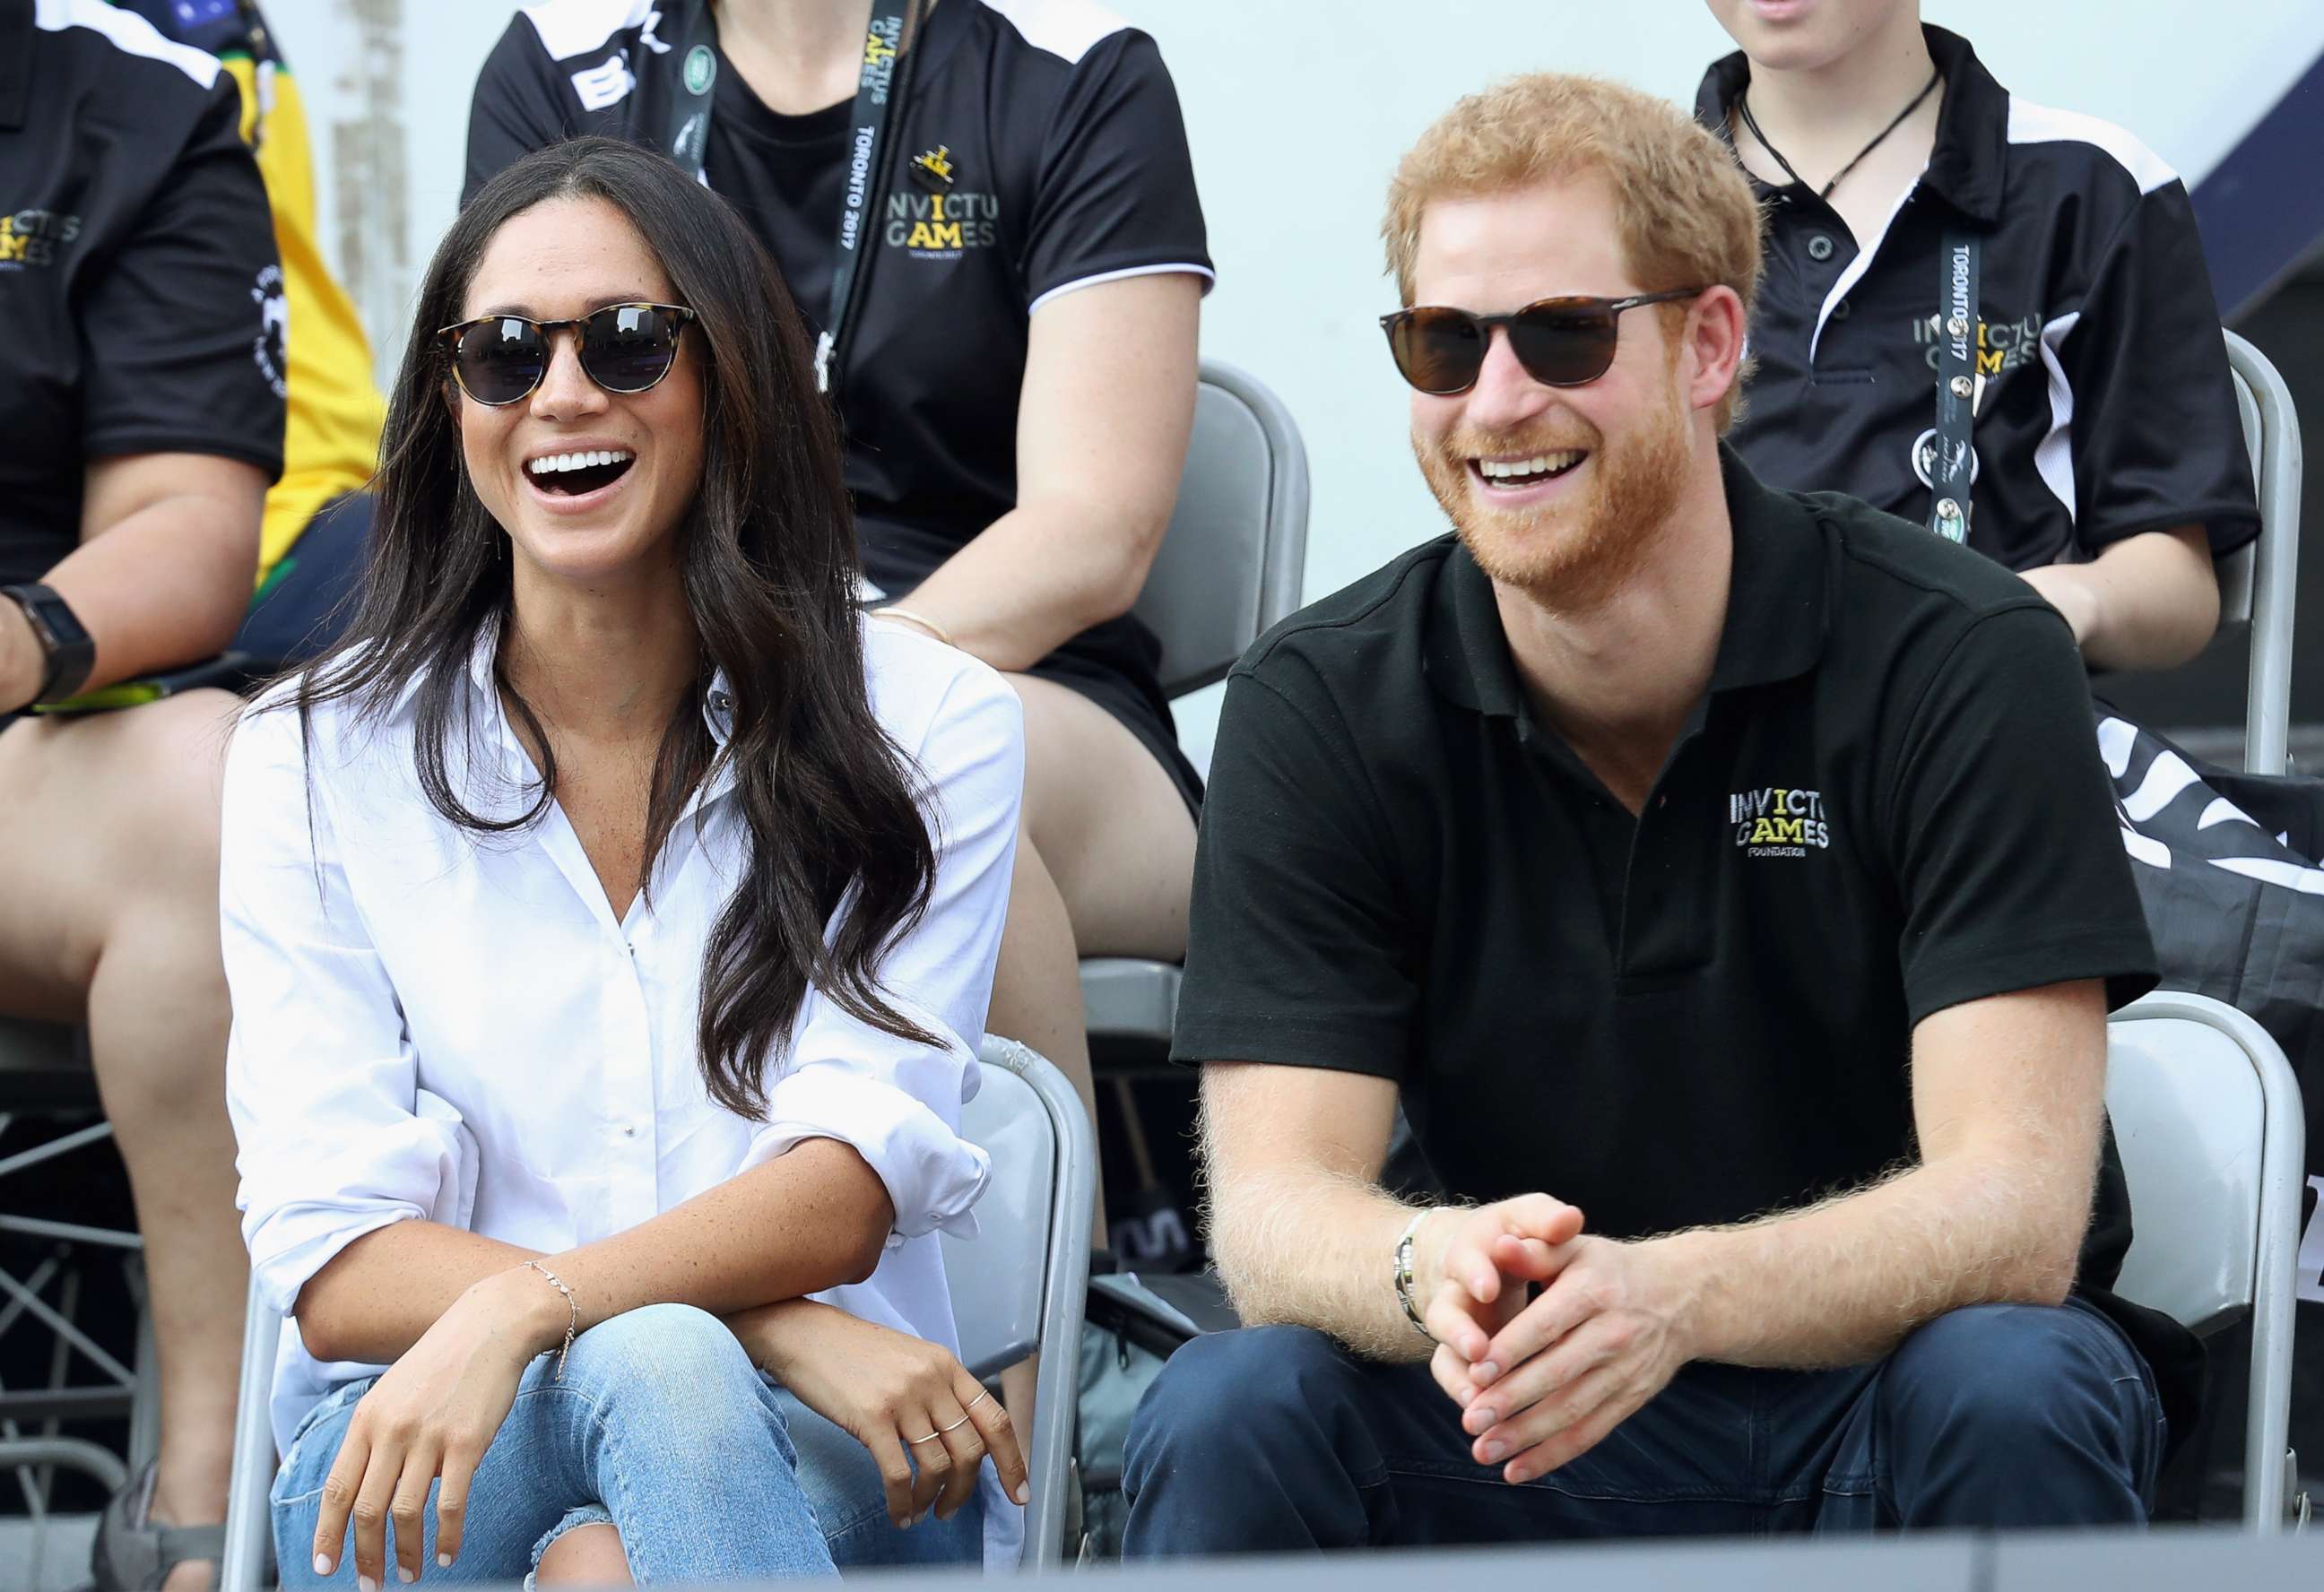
(2190, 1118)
(2207, 1113)
(1030, 1254)
(1233, 559)
(2257, 583)
(997, 1276)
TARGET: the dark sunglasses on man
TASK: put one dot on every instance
(626, 348)
(1560, 342)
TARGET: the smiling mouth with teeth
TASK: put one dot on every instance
(570, 475)
(1505, 475)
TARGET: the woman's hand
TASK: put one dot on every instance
(897, 1394)
(434, 1413)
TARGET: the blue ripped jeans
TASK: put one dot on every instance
(662, 1427)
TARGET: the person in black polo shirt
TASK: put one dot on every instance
(2103, 457)
(1011, 340)
(141, 421)
(1720, 879)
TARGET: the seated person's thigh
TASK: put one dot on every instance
(104, 814)
(1109, 822)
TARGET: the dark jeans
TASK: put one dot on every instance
(306, 604)
(2001, 1415)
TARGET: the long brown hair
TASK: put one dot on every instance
(830, 804)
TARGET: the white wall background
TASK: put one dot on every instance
(1297, 111)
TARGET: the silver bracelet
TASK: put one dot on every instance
(1403, 1278)
(573, 1319)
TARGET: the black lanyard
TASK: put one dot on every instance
(1951, 465)
(689, 66)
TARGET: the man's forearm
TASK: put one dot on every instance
(1308, 1249)
(1842, 1282)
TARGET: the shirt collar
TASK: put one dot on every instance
(1774, 630)
(17, 23)
(1968, 165)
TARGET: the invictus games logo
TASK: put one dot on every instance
(1778, 823)
(2001, 344)
(34, 237)
(270, 349)
(934, 168)
(943, 225)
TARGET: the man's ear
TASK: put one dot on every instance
(1715, 334)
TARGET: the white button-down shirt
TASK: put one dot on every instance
(435, 1024)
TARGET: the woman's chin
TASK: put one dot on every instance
(588, 556)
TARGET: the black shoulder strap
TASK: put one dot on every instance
(1952, 465)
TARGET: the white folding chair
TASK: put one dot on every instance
(1017, 1287)
(2207, 1113)
(1230, 565)
(2257, 581)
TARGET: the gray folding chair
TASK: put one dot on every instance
(1230, 565)
(2207, 1116)
(1017, 1287)
(2257, 582)
(1021, 1282)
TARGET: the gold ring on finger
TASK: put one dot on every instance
(931, 1437)
(979, 1399)
(956, 1426)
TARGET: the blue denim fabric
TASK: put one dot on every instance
(1276, 1438)
(662, 1426)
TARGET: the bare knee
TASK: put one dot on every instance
(586, 1555)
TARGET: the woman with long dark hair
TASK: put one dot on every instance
(610, 925)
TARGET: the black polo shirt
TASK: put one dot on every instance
(1068, 165)
(1890, 802)
(138, 287)
(2106, 409)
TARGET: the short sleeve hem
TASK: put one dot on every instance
(2126, 962)
(2228, 524)
(114, 444)
(1330, 1047)
(1100, 273)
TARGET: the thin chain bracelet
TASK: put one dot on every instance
(572, 1322)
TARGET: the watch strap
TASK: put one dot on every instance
(1404, 1277)
(68, 652)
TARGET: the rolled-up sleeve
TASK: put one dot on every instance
(895, 1102)
(335, 1137)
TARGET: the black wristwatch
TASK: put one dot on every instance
(66, 647)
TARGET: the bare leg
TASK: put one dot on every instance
(111, 848)
(585, 1556)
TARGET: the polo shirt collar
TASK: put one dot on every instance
(16, 24)
(1967, 166)
(1775, 623)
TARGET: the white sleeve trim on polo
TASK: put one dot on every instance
(1210, 280)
